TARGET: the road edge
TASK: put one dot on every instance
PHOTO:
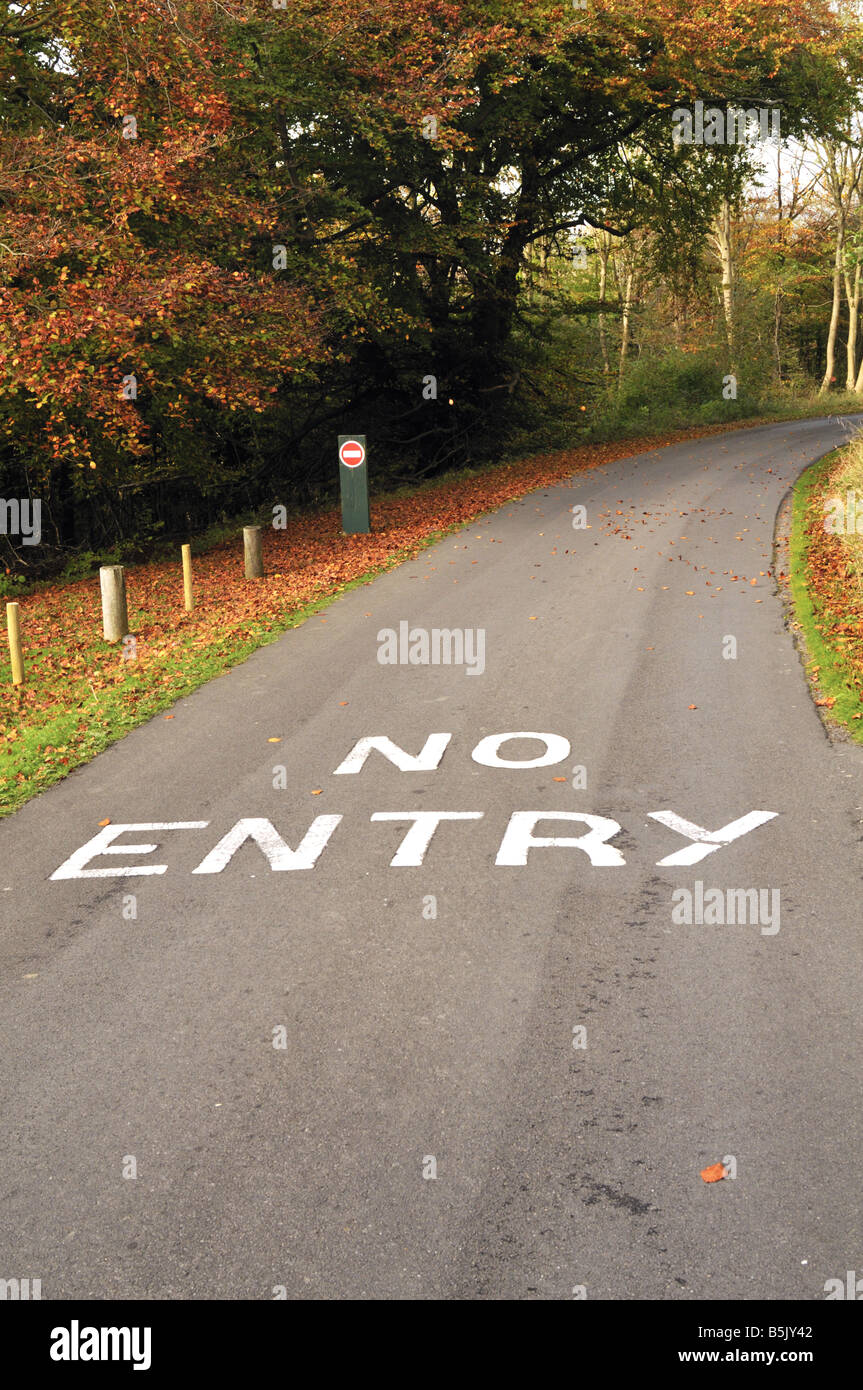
(834, 731)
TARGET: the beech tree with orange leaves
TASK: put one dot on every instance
(229, 229)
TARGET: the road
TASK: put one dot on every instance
(466, 1077)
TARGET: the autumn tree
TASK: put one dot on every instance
(229, 228)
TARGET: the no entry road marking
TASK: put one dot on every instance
(518, 839)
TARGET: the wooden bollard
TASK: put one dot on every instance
(115, 616)
(253, 552)
(13, 630)
(188, 595)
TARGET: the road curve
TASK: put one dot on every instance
(461, 1078)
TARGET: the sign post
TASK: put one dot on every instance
(354, 482)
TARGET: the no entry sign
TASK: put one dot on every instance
(354, 484)
(352, 453)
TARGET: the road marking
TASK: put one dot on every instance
(518, 838)
(427, 760)
(101, 844)
(708, 841)
(486, 752)
(265, 835)
(412, 850)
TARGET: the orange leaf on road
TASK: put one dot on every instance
(714, 1173)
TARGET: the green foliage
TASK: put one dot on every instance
(670, 392)
(85, 563)
(404, 254)
(12, 586)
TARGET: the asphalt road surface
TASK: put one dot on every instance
(495, 1068)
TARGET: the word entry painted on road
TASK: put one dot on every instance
(518, 839)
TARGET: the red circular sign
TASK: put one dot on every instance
(352, 453)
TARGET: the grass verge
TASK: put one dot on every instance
(826, 578)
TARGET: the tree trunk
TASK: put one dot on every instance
(853, 299)
(830, 367)
(723, 244)
(604, 248)
(858, 385)
(676, 319)
(624, 336)
(777, 324)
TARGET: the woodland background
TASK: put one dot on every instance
(460, 228)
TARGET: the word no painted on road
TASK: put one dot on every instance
(518, 839)
(352, 453)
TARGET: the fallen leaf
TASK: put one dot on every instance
(714, 1173)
